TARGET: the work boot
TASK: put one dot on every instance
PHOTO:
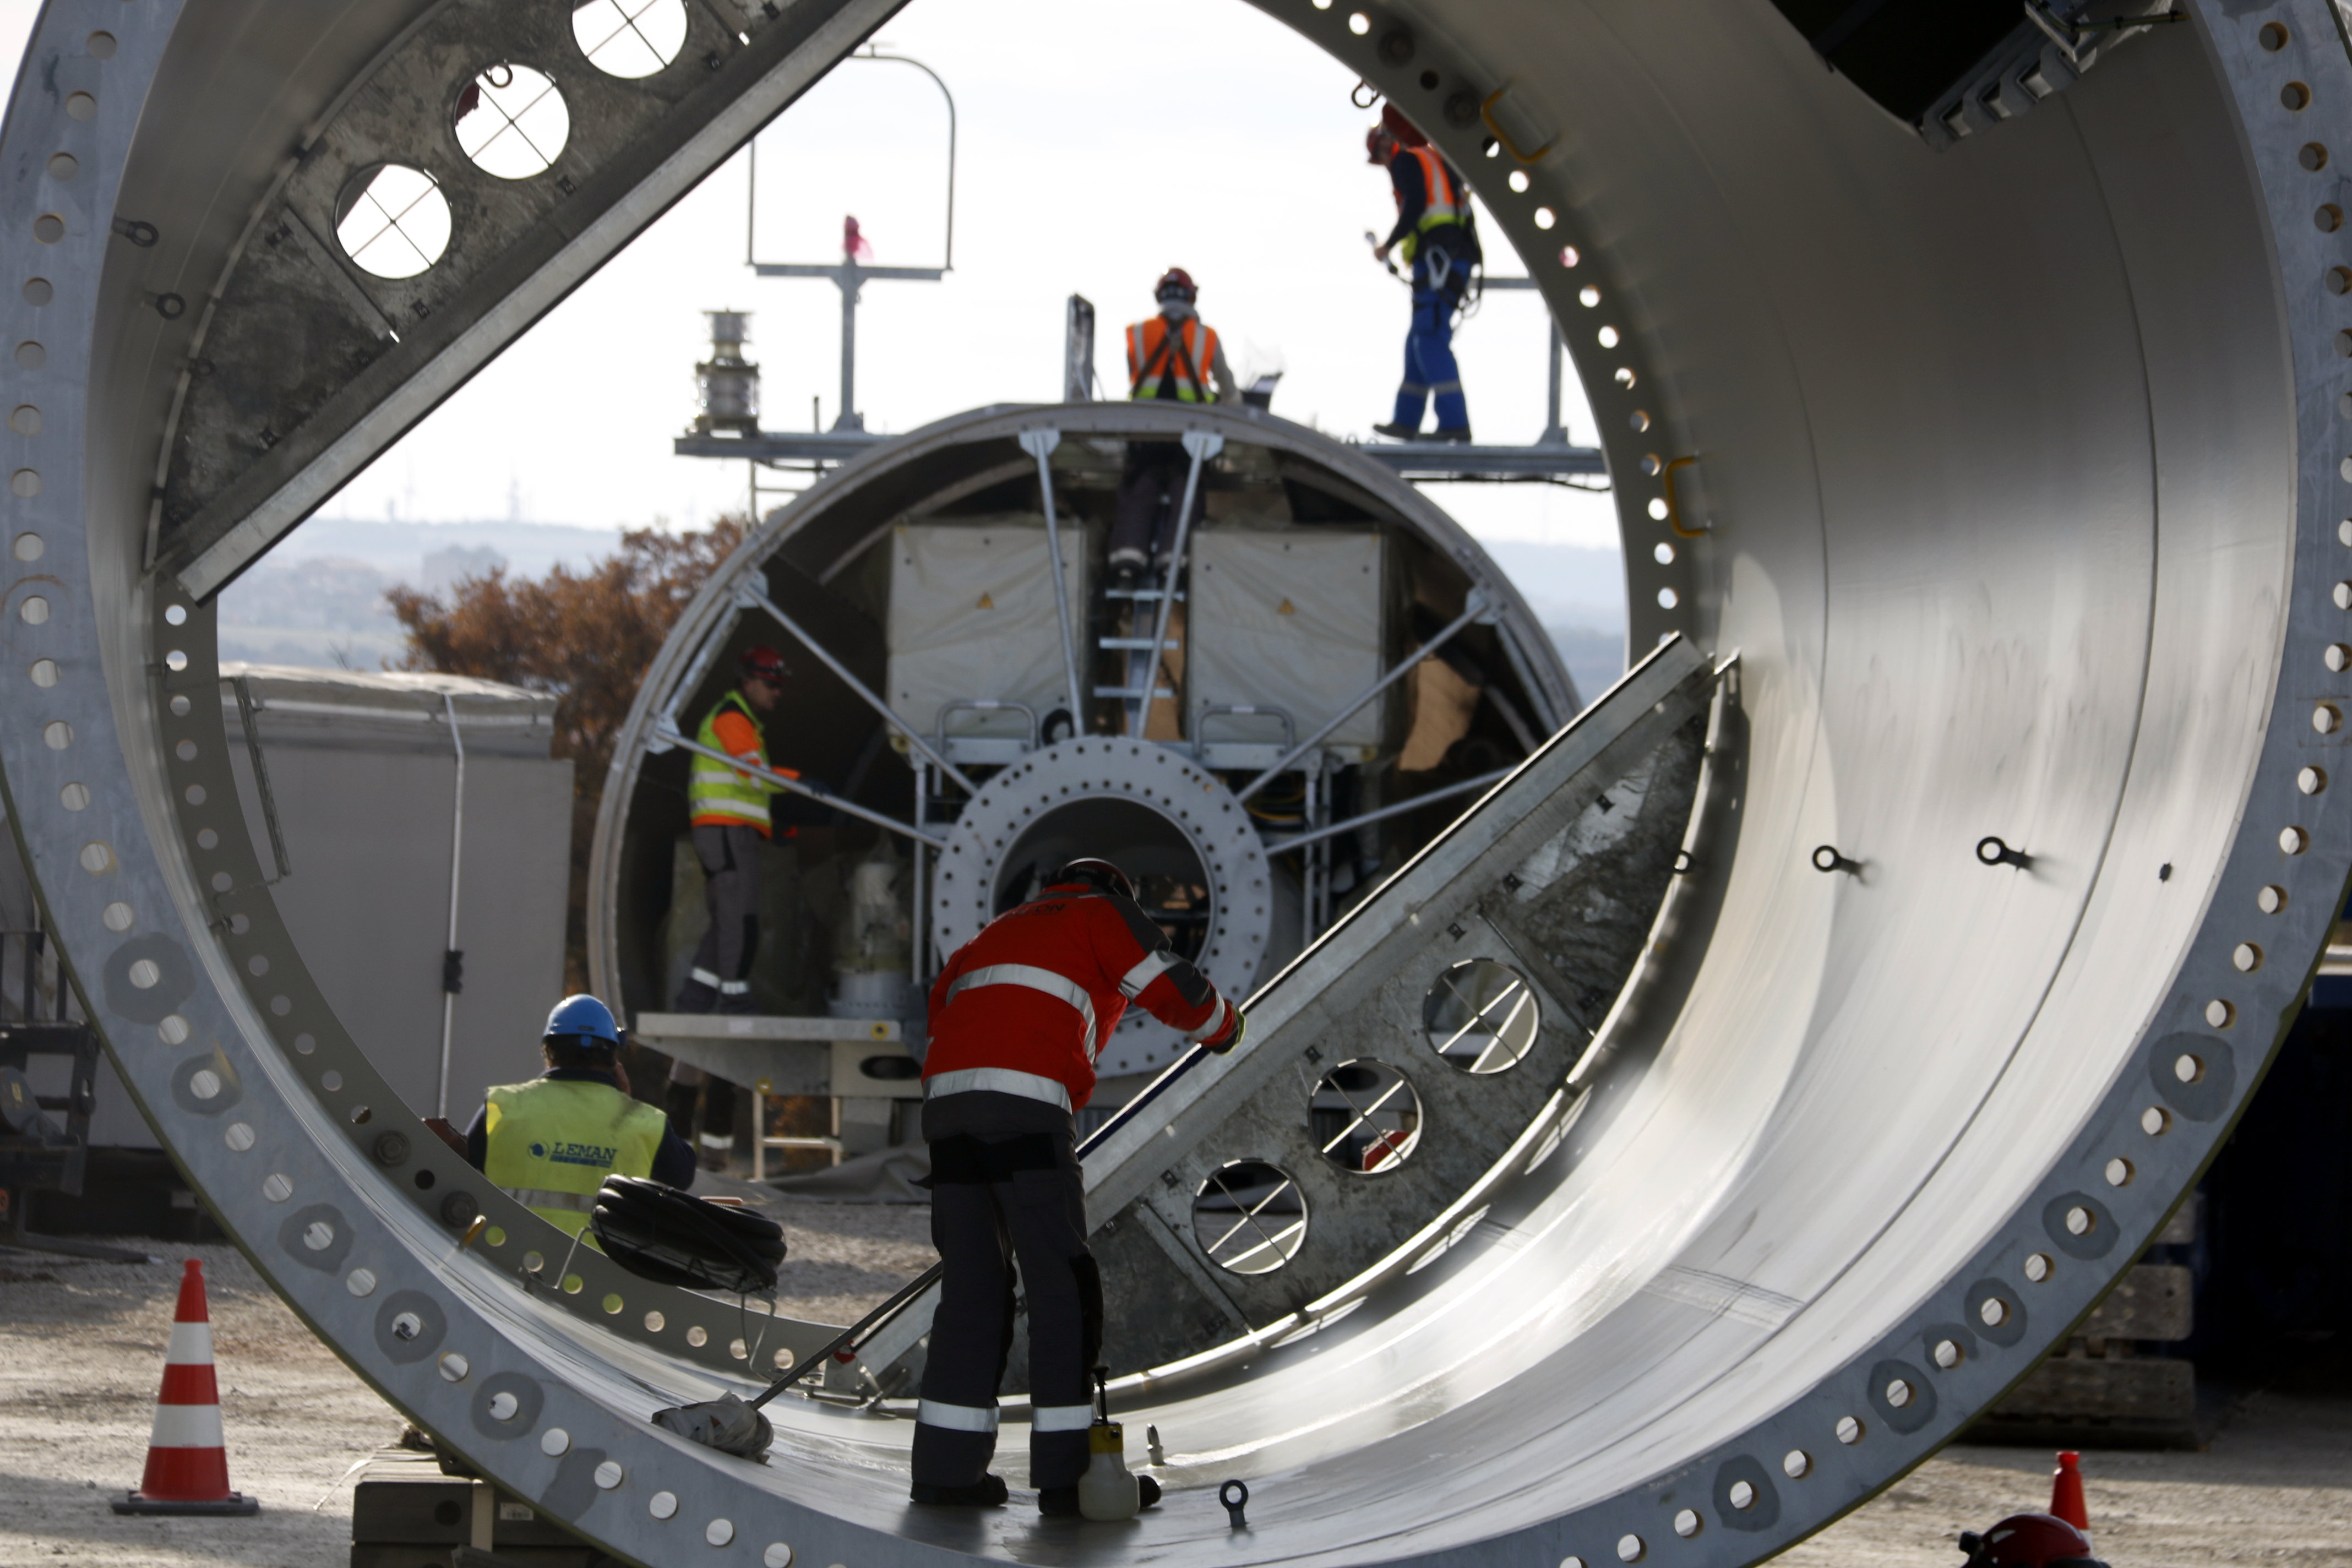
(1062, 1502)
(1397, 432)
(1459, 435)
(986, 1492)
(695, 996)
(736, 1004)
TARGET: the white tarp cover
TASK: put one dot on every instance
(1287, 619)
(971, 616)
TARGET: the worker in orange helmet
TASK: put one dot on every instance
(728, 808)
(1173, 357)
(1437, 236)
(1018, 1017)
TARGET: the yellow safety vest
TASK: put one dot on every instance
(550, 1143)
(717, 793)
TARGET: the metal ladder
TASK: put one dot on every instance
(1144, 654)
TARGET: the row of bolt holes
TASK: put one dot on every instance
(1653, 465)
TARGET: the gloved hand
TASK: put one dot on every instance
(1236, 1026)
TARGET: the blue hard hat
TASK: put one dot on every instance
(582, 1015)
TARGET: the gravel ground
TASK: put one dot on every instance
(82, 1347)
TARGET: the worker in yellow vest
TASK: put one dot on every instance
(728, 811)
(1174, 357)
(1437, 236)
(551, 1142)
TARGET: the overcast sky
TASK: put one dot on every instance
(1099, 143)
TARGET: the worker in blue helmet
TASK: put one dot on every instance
(551, 1142)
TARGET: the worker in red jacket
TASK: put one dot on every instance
(1018, 1018)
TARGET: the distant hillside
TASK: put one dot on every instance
(1578, 592)
(319, 598)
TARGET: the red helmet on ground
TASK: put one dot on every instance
(761, 662)
(1176, 284)
(1094, 873)
(2029, 1541)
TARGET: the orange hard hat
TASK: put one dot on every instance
(1176, 283)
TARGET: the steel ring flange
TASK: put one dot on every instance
(1192, 800)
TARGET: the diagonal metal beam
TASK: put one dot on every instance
(439, 350)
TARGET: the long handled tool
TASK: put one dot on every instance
(736, 1426)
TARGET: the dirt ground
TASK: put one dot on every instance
(82, 1347)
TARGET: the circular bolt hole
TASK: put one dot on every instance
(2081, 1221)
(1796, 1464)
(1687, 1523)
(2271, 899)
(698, 1336)
(2119, 1171)
(608, 1475)
(512, 121)
(2294, 96)
(1849, 1430)
(2294, 840)
(1740, 1494)
(2314, 156)
(503, 1405)
(80, 106)
(2188, 1069)
(1632, 1549)
(662, 1505)
(2246, 957)
(654, 1322)
(1948, 1353)
(1480, 1016)
(392, 220)
(629, 39)
(1365, 1116)
(1249, 1216)
(2155, 1121)
(2273, 36)
(1993, 1313)
(2037, 1267)
(1898, 1392)
(2220, 1015)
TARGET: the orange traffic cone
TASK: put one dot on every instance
(187, 1461)
(2066, 1491)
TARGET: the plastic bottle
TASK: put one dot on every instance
(1107, 1490)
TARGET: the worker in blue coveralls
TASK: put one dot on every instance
(1435, 235)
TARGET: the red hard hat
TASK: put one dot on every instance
(1096, 873)
(1178, 282)
(1407, 133)
(2028, 1540)
(763, 662)
(1377, 142)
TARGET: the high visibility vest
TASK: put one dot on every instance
(552, 1142)
(1441, 192)
(1156, 355)
(717, 793)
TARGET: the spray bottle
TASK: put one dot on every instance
(1107, 1491)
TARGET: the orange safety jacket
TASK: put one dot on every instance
(1026, 1007)
(1156, 358)
(1442, 199)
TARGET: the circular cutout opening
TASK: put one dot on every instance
(1171, 880)
(1481, 1017)
(512, 121)
(1250, 1218)
(392, 220)
(630, 38)
(1849, 1430)
(1365, 1116)
(1796, 1464)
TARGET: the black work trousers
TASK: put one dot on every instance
(1150, 488)
(1006, 1187)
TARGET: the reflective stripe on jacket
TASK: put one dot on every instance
(1026, 1007)
(720, 796)
(1158, 359)
(1443, 201)
(550, 1143)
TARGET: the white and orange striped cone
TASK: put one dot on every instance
(187, 1457)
